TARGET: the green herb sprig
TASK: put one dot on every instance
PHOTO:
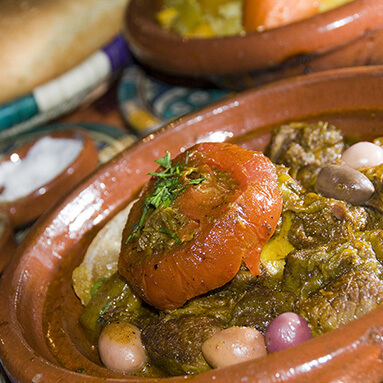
(167, 188)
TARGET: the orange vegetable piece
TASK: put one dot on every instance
(227, 218)
(265, 14)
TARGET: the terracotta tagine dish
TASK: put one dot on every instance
(36, 175)
(7, 240)
(41, 339)
(345, 36)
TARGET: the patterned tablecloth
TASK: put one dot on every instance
(65, 93)
(147, 103)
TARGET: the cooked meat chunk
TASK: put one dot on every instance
(309, 270)
(260, 305)
(375, 237)
(219, 303)
(375, 175)
(322, 220)
(114, 300)
(316, 219)
(348, 297)
(174, 343)
(305, 148)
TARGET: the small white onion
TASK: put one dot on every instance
(120, 347)
(233, 345)
(363, 154)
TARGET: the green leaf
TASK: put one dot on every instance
(167, 188)
(197, 181)
(165, 161)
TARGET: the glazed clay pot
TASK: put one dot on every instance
(7, 240)
(28, 208)
(40, 337)
(351, 35)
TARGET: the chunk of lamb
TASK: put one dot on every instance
(175, 343)
(349, 297)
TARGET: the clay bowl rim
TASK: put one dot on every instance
(7, 240)
(29, 358)
(19, 210)
(173, 54)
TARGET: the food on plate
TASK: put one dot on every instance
(207, 18)
(363, 154)
(233, 345)
(196, 220)
(320, 268)
(259, 15)
(39, 171)
(45, 160)
(286, 330)
(41, 40)
(121, 348)
(343, 182)
(201, 18)
(101, 257)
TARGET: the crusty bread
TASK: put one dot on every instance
(41, 39)
(101, 258)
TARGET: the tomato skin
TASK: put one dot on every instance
(232, 226)
(267, 14)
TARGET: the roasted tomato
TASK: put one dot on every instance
(197, 218)
(266, 14)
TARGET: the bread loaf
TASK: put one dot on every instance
(42, 39)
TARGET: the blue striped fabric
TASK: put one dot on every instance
(47, 101)
(13, 113)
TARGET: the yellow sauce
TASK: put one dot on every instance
(212, 18)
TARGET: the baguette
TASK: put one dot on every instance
(42, 39)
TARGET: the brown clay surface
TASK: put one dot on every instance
(40, 339)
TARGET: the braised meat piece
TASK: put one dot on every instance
(375, 175)
(112, 301)
(344, 299)
(310, 270)
(322, 220)
(260, 305)
(219, 303)
(174, 343)
(375, 237)
(305, 148)
(316, 219)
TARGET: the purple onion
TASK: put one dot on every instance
(286, 330)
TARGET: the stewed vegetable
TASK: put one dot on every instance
(121, 348)
(265, 14)
(233, 345)
(344, 183)
(363, 154)
(286, 330)
(277, 275)
(211, 18)
(198, 218)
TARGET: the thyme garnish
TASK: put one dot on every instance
(167, 188)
